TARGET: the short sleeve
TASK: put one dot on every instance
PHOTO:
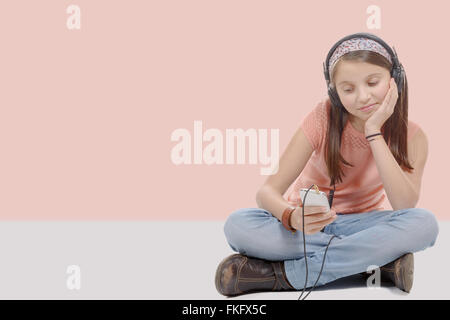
(315, 124)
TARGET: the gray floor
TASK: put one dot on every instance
(162, 260)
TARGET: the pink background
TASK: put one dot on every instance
(87, 115)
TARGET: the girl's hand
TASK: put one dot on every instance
(315, 218)
(379, 117)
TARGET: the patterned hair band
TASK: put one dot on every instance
(354, 45)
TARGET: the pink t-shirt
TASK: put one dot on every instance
(361, 189)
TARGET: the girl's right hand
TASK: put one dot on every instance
(315, 218)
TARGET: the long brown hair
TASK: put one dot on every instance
(394, 130)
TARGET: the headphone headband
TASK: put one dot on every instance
(397, 71)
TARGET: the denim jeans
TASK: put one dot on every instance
(361, 240)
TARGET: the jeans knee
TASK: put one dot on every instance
(247, 230)
(428, 224)
(229, 227)
(235, 226)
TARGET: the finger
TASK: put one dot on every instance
(317, 216)
(393, 97)
(323, 223)
(388, 97)
(324, 213)
(393, 100)
(320, 218)
(312, 231)
(315, 209)
(394, 88)
(389, 102)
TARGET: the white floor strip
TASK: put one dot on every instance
(162, 260)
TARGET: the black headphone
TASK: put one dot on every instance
(397, 71)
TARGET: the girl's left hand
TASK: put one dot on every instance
(379, 117)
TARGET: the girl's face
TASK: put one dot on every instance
(360, 84)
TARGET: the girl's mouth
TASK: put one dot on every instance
(368, 108)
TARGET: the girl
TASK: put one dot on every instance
(360, 141)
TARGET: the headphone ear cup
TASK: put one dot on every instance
(398, 75)
(401, 78)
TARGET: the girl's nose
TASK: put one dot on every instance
(364, 96)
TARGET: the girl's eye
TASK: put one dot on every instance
(371, 83)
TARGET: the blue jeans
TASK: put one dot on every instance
(361, 240)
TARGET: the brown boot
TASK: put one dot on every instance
(239, 274)
(400, 272)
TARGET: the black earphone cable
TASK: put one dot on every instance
(330, 200)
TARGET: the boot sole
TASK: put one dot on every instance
(405, 271)
(402, 272)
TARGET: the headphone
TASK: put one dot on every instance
(397, 72)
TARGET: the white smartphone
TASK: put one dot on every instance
(314, 199)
